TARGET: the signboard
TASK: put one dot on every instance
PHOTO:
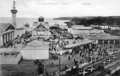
(41, 33)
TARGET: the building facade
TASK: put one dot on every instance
(104, 39)
(78, 29)
(40, 31)
(108, 41)
(40, 28)
(6, 33)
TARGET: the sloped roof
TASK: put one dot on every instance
(36, 45)
(81, 27)
(40, 27)
(46, 24)
(3, 27)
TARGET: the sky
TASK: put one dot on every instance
(60, 8)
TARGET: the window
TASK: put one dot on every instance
(12, 53)
(100, 41)
(116, 41)
(6, 53)
(105, 41)
(111, 41)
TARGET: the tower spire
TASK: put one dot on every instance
(14, 5)
(14, 11)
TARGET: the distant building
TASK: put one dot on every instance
(77, 29)
(104, 27)
(26, 25)
(6, 33)
(115, 28)
(41, 28)
(104, 38)
(81, 29)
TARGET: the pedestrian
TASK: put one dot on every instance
(74, 60)
(47, 73)
(40, 69)
(66, 67)
(52, 64)
(36, 62)
(69, 58)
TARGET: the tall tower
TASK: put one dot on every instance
(14, 11)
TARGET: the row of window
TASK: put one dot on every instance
(109, 42)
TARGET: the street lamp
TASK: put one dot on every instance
(60, 53)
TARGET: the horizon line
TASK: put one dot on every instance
(63, 16)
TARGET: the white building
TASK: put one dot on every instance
(81, 29)
(104, 38)
(36, 50)
(41, 28)
(104, 27)
(77, 29)
(6, 33)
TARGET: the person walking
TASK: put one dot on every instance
(69, 58)
(66, 67)
(40, 69)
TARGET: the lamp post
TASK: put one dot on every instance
(60, 53)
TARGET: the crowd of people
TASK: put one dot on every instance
(87, 52)
(23, 39)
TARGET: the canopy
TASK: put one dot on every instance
(78, 44)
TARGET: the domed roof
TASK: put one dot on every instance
(27, 25)
(41, 19)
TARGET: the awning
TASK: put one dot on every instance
(78, 44)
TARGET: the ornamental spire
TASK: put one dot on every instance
(14, 5)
